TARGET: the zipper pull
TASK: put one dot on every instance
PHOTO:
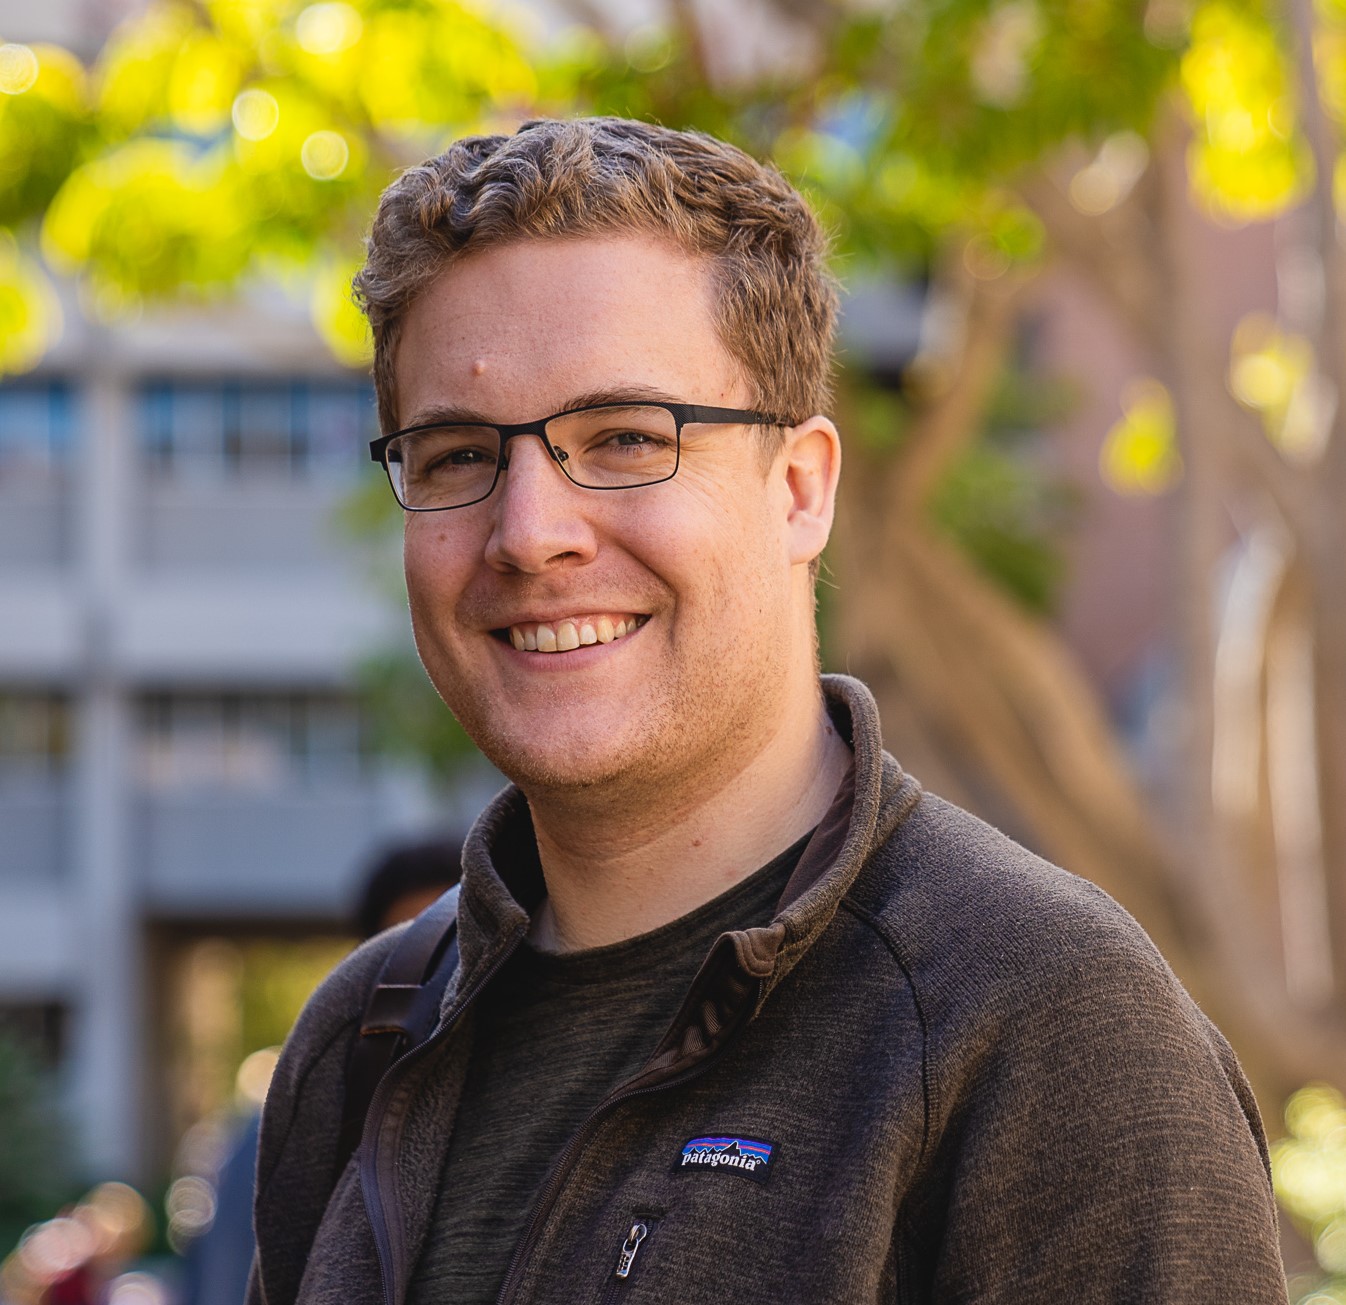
(629, 1248)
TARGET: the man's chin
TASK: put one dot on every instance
(542, 772)
(544, 761)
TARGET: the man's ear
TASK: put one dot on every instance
(811, 464)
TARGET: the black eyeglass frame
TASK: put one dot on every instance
(682, 414)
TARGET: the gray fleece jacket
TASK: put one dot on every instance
(946, 1072)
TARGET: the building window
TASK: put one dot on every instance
(36, 429)
(251, 742)
(34, 736)
(296, 429)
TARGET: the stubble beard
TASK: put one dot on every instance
(697, 732)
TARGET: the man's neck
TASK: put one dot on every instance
(615, 871)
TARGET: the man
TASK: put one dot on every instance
(739, 1012)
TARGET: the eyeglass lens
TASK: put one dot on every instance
(602, 448)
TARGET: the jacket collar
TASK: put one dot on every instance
(502, 879)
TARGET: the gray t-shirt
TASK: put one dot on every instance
(554, 1034)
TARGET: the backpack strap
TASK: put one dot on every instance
(402, 1011)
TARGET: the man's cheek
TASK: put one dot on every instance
(429, 569)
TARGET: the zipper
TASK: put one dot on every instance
(561, 1169)
(370, 1169)
(641, 1228)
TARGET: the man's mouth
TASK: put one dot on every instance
(574, 632)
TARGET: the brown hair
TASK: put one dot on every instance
(777, 302)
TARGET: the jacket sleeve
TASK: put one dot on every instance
(1099, 1142)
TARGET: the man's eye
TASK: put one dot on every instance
(451, 459)
(635, 439)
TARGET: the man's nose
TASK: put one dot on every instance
(540, 517)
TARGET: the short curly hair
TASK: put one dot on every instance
(558, 179)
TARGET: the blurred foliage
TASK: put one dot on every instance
(1247, 163)
(210, 141)
(1309, 1166)
(275, 980)
(1010, 519)
(1010, 512)
(407, 717)
(213, 140)
(34, 1157)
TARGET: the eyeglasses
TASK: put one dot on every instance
(605, 446)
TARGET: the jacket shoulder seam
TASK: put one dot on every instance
(866, 917)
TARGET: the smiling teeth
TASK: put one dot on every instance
(578, 632)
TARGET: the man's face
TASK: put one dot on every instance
(697, 569)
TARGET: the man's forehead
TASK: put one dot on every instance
(553, 321)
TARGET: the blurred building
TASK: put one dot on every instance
(180, 619)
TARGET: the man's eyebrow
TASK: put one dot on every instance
(453, 414)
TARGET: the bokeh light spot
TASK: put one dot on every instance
(256, 113)
(137, 1289)
(328, 28)
(18, 69)
(648, 49)
(1112, 175)
(985, 259)
(1330, 1246)
(254, 1075)
(53, 1249)
(325, 155)
(1140, 454)
(190, 1205)
(1273, 373)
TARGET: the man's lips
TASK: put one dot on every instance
(571, 632)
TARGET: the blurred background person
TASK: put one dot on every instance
(404, 881)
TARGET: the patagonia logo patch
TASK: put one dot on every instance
(738, 1155)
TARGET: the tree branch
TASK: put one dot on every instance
(949, 419)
